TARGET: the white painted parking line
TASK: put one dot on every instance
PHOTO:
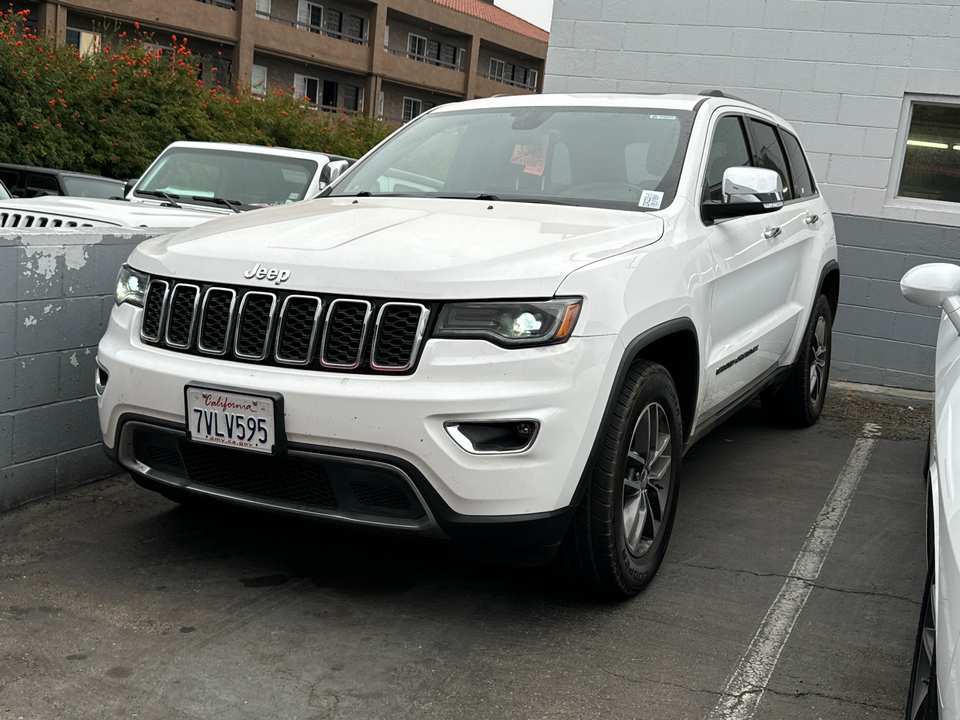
(742, 693)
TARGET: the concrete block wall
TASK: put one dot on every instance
(56, 293)
(839, 71)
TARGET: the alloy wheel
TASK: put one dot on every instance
(818, 359)
(646, 481)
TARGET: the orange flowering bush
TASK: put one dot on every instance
(111, 112)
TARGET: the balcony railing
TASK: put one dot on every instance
(228, 4)
(319, 30)
(426, 59)
(511, 83)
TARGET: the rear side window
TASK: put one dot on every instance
(770, 153)
(727, 149)
(40, 185)
(803, 184)
(11, 179)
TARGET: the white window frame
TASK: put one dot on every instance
(299, 80)
(413, 55)
(258, 80)
(303, 16)
(419, 105)
(899, 151)
(533, 77)
(500, 65)
(386, 37)
(264, 9)
(460, 54)
(95, 41)
(380, 106)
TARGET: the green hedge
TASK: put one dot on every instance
(112, 112)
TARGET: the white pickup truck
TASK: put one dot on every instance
(189, 183)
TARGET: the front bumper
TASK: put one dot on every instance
(399, 421)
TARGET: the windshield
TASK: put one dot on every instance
(619, 158)
(245, 180)
(88, 187)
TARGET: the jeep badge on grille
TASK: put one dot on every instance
(261, 273)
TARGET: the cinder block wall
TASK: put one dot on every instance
(839, 72)
(56, 292)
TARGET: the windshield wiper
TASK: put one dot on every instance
(232, 204)
(172, 199)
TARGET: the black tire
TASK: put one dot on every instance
(922, 698)
(619, 535)
(799, 400)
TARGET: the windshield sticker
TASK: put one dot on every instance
(663, 117)
(532, 157)
(651, 199)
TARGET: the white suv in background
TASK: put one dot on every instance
(503, 326)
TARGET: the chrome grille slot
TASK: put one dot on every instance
(398, 334)
(216, 321)
(344, 333)
(154, 310)
(182, 315)
(297, 329)
(254, 325)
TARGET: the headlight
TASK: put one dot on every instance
(131, 286)
(511, 324)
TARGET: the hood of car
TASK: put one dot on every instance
(93, 211)
(400, 247)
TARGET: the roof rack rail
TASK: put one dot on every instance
(721, 94)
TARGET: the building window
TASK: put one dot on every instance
(258, 81)
(355, 27)
(416, 47)
(411, 108)
(334, 23)
(380, 106)
(307, 87)
(532, 79)
(496, 69)
(310, 16)
(386, 37)
(507, 73)
(263, 9)
(84, 41)
(351, 98)
(931, 154)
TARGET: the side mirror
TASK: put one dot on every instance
(934, 285)
(332, 170)
(129, 185)
(746, 191)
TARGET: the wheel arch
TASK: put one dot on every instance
(830, 285)
(673, 344)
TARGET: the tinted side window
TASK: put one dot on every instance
(40, 185)
(803, 184)
(727, 149)
(770, 153)
(11, 179)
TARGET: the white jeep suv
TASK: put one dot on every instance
(503, 326)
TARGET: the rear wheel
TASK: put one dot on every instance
(620, 532)
(799, 400)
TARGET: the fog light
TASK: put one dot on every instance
(100, 383)
(498, 437)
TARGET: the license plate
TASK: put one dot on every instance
(234, 419)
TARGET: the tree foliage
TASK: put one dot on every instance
(111, 112)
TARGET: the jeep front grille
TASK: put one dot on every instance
(312, 331)
(41, 220)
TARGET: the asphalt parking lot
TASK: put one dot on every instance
(116, 603)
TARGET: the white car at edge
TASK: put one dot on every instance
(934, 687)
(502, 327)
(187, 184)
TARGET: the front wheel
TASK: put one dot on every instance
(799, 400)
(620, 532)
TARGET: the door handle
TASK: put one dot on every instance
(771, 233)
(811, 219)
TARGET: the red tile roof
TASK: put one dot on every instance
(497, 16)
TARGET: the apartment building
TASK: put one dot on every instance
(391, 59)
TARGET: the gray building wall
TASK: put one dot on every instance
(56, 293)
(841, 73)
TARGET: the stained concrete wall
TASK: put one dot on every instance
(56, 293)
